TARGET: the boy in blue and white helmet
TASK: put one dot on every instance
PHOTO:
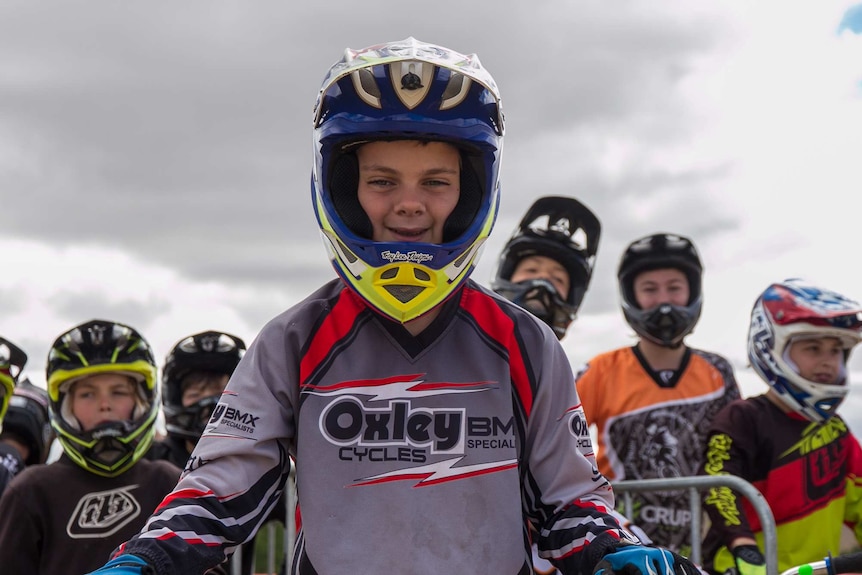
(789, 442)
(430, 420)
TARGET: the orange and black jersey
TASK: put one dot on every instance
(654, 425)
(810, 475)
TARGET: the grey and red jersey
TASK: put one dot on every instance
(423, 454)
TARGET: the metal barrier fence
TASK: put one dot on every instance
(693, 485)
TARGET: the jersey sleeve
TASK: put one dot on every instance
(729, 451)
(574, 503)
(235, 475)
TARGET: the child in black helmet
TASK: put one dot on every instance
(65, 517)
(546, 265)
(26, 426)
(12, 362)
(195, 373)
(652, 402)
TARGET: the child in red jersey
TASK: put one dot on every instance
(789, 442)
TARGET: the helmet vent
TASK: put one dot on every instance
(421, 275)
(348, 255)
(366, 87)
(389, 274)
(404, 293)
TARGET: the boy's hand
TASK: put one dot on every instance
(642, 560)
(125, 565)
(749, 560)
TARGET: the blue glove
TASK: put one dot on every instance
(125, 565)
(642, 560)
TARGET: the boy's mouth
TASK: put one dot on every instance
(408, 234)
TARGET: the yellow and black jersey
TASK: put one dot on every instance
(810, 475)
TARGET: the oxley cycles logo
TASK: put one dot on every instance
(411, 257)
(378, 421)
(579, 428)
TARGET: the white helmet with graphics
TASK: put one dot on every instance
(792, 310)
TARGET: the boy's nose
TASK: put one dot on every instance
(409, 201)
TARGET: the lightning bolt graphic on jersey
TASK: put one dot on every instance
(397, 387)
(439, 472)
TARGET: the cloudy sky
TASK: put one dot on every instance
(155, 156)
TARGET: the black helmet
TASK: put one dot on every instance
(27, 419)
(210, 351)
(564, 230)
(665, 324)
(93, 348)
(12, 362)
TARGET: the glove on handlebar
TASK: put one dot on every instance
(642, 560)
(125, 565)
(749, 560)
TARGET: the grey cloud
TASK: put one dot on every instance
(181, 133)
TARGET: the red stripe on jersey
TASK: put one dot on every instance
(500, 327)
(335, 326)
(182, 494)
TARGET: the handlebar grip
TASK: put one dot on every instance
(849, 563)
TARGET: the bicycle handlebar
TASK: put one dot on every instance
(847, 563)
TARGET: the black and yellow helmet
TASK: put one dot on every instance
(92, 348)
(12, 362)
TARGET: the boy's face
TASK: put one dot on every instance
(655, 287)
(200, 385)
(543, 267)
(818, 359)
(102, 398)
(408, 188)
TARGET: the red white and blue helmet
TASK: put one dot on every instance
(794, 309)
(565, 230)
(406, 90)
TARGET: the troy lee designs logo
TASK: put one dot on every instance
(412, 257)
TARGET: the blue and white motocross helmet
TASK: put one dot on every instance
(406, 90)
(791, 310)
